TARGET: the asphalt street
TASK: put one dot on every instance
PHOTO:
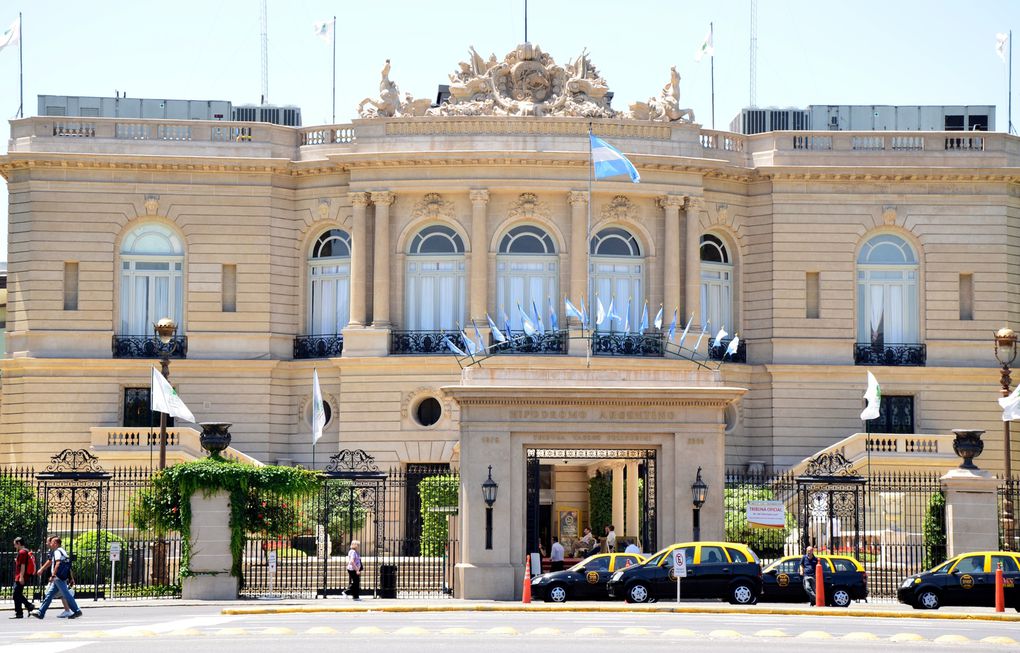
(205, 629)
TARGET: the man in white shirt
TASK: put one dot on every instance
(58, 583)
(556, 555)
(632, 547)
(610, 538)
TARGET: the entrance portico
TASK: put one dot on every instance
(678, 415)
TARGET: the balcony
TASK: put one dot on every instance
(324, 346)
(891, 355)
(424, 342)
(718, 353)
(550, 342)
(134, 445)
(642, 345)
(149, 347)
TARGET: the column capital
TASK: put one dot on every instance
(695, 203)
(673, 201)
(577, 197)
(358, 198)
(479, 196)
(383, 197)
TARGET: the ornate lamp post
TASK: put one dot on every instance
(489, 488)
(165, 332)
(1005, 353)
(699, 490)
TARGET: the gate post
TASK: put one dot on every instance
(211, 560)
(971, 511)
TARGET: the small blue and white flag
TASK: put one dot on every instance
(472, 347)
(526, 323)
(683, 336)
(600, 312)
(644, 319)
(719, 336)
(672, 329)
(611, 314)
(538, 316)
(584, 313)
(454, 348)
(607, 161)
(626, 319)
(704, 330)
(572, 311)
(554, 320)
(497, 335)
(732, 348)
(658, 319)
(506, 325)
(478, 337)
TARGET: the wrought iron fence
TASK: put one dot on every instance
(901, 355)
(89, 508)
(627, 344)
(549, 342)
(424, 342)
(149, 347)
(894, 523)
(1009, 501)
(330, 346)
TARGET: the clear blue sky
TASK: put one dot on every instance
(809, 52)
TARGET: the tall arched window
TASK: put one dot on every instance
(716, 285)
(329, 283)
(435, 280)
(527, 271)
(618, 275)
(887, 310)
(151, 279)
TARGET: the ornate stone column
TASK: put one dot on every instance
(671, 205)
(359, 260)
(381, 272)
(578, 249)
(479, 255)
(692, 254)
(633, 506)
(618, 500)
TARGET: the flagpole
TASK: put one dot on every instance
(711, 32)
(21, 66)
(334, 122)
(1009, 101)
(587, 238)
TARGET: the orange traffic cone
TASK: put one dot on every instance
(819, 586)
(526, 592)
(1000, 596)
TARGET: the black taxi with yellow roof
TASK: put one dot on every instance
(845, 580)
(584, 581)
(966, 579)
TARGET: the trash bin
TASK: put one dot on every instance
(388, 582)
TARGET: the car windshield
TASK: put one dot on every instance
(941, 569)
(655, 559)
(594, 563)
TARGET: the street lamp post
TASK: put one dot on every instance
(698, 492)
(165, 331)
(489, 488)
(1005, 353)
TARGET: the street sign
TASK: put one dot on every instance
(679, 564)
(114, 551)
(272, 561)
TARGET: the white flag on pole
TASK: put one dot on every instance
(12, 36)
(1011, 406)
(873, 395)
(324, 30)
(1001, 43)
(707, 47)
(318, 409)
(163, 399)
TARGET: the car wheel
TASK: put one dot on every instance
(840, 598)
(556, 594)
(742, 594)
(638, 593)
(928, 600)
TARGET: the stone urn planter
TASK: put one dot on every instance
(215, 437)
(968, 445)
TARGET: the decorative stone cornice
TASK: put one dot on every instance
(512, 126)
(383, 197)
(527, 206)
(358, 198)
(479, 196)
(432, 206)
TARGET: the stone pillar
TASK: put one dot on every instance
(211, 560)
(671, 205)
(692, 269)
(359, 260)
(578, 249)
(633, 505)
(972, 519)
(618, 500)
(479, 272)
(381, 270)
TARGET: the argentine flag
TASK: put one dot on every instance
(607, 161)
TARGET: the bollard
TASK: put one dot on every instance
(1000, 596)
(526, 590)
(819, 585)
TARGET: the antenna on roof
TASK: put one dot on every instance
(754, 51)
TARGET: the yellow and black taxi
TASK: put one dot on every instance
(845, 580)
(715, 570)
(584, 581)
(967, 579)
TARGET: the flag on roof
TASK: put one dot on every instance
(607, 161)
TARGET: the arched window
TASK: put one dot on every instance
(527, 273)
(716, 285)
(618, 276)
(329, 283)
(435, 290)
(887, 310)
(151, 279)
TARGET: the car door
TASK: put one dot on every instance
(965, 579)
(664, 583)
(591, 583)
(710, 575)
(786, 582)
(1010, 577)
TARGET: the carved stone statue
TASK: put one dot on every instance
(666, 107)
(387, 104)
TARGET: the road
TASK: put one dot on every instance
(204, 629)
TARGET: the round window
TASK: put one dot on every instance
(325, 409)
(429, 411)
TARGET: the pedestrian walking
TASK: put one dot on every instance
(807, 569)
(45, 574)
(610, 538)
(556, 555)
(24, 573)
(354, 571)
(61, 565)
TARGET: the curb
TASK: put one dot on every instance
(880, 614)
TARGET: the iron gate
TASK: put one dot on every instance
(832, 505)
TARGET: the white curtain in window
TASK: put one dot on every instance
(522, 280)
(330, 298)
(621, 281)
(434, 294)
(717, 297)
(888, 310)
(150, 291)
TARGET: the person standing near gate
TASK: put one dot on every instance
(556, 555)
(354, 571)
(807, 570)
(24, 572)
(61, 574)
(45, 574)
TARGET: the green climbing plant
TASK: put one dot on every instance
(934, 531)
(600, 502)
(439, 496)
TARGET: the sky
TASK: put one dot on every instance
(808, 52)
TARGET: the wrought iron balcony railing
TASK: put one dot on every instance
(424, 342)
(718, 353)
(550, 342)
(896, 354)
(650, 345)
(324, 346)
(149, 347)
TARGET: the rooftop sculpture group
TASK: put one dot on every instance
(527, 82)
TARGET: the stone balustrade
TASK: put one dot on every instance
(892, 451)
(132, 444)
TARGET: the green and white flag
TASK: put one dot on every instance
(707, 47)
(163, 399)
(873, 396)
(318, 410)
(1011, 406)
(12, 36)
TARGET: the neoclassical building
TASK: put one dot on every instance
(354, 249)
